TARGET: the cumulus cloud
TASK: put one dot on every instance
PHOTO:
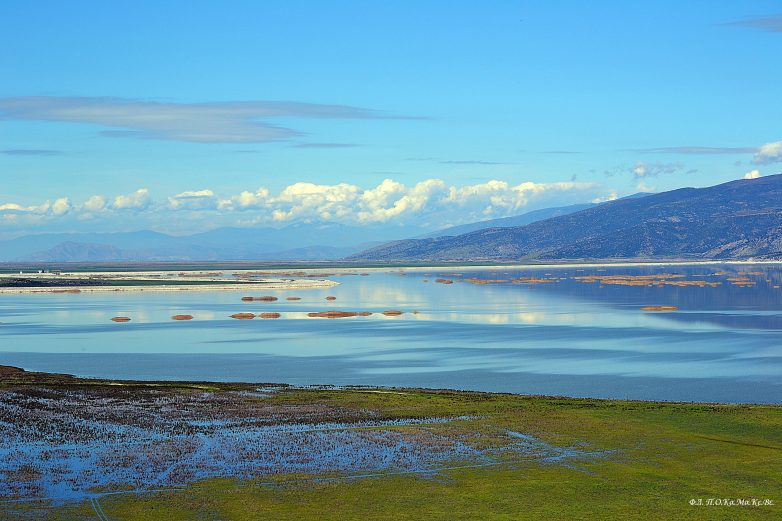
(193, 200)
(216, 122)
(499, 196)
(247, 199)
(308, 200)
(33, 209)
(61, 206)
(95, 203)
(768, 153)
(390, 200)
(643, 187)
(753, 174)
(138, 200)
(612, 196)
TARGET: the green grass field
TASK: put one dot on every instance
(656, 458)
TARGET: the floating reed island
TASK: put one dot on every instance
(338, 314)
(659, 308)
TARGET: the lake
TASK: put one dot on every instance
(569, 330)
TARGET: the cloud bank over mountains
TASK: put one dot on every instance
(389, 201)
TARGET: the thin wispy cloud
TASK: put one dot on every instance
(32, 152)
(697, 150)
(471, 162)
(215, 122)
(644, 169)
(325, 145)
(561, 152)
(455, 161)
(771, 23)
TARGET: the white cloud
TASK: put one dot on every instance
(246, 200)
(643, 187)
(138, 200)
(391, 199)
(768, 153)
(612, 196)
(500, 197)
(61, 206)
(309, 200)
(643, 169)
(34, 209)
(193, 200)
(753, 174)
(430, 200)
(95, 203)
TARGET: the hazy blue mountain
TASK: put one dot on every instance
(518, 220)
(86, 252)
(295, 242)
(320, 252)
(739, 219)
(509, 222)
(21, 247)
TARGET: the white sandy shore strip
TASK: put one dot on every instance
(497, 267)
(217, 275)
(275, 284)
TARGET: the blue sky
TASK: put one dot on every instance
(181, 116)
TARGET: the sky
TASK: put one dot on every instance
(182, 116)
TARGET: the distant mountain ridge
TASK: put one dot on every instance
(518, 220)
(508, 222)
(294, 242)
(739, 219)
(299, 241)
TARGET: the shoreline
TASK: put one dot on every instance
(243, 267)
(270, 284)
(473, 267)
(215, 280)
(44, 377)
(10, 375)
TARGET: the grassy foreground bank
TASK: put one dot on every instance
(634, 460)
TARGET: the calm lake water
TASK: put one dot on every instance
(565, 337)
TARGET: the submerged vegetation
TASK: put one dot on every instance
(84, 449)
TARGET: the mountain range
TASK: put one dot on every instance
(740, 219)
(518, 220)
(736, 220)
(294, 242)
(301, 241)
